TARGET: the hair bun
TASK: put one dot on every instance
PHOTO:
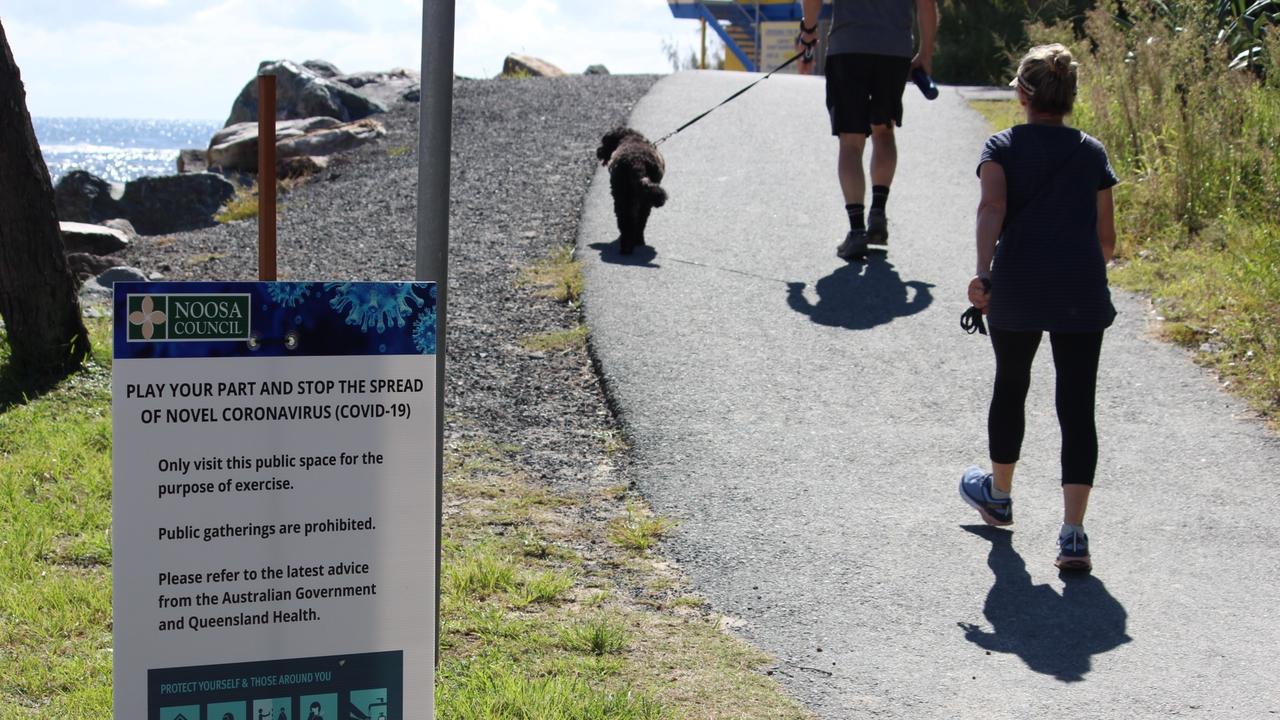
(1063, 63)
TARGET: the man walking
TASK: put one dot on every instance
(870, 53)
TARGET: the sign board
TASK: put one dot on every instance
(274, 500)
(777, 45)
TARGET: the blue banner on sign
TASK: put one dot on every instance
(274, 319)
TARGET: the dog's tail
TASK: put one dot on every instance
(653, 192)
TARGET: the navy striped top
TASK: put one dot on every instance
(1049, 273)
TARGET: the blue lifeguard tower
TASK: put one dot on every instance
(758, 34)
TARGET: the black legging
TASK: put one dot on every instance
(1075, 357)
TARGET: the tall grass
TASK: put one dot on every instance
(1197, 146)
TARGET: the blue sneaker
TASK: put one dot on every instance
(975, 489)
(1073, 552)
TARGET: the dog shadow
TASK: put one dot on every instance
(641, 256)
(1054, 634)
(860, 296)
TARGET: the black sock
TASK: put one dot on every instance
(855, 217)
(879, 196)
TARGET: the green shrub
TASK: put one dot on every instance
(978, 42)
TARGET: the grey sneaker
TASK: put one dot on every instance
(975, 489)
(1073, 552)
(877, 227)
(854, 246)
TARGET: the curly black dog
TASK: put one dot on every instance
(635, 169)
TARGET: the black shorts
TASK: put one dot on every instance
(865, 90)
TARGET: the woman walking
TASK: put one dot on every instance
(1045, 232)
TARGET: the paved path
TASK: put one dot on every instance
(807, 420)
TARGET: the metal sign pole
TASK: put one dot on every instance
(267, 177)
(435, 129)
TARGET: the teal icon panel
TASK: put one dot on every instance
(184, 712)
(372, 703)
(272, 709)
(225, 711)
(318, 707)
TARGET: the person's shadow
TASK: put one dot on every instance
(1054, 634)
(641, 256)
(860, 296)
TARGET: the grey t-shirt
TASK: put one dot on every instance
(1049, 273)
(878, 27)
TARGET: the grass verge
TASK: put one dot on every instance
(565, 585)
(557, 340)
(557, 276)
(55, 547)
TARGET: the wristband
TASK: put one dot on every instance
(809, 30)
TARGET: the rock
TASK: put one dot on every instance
(91, 239)
(332, 140)
(192, 160)
(596, 70)
(235, 147)
(84, 197)
(387, 88)
(122, 273)
(300, 166)
(302, 93)
(323, 68)
(153, 205)
(413, 94)
(91, 291)
(524, 66)
(174, 203)
(123, 226)
(85, 266)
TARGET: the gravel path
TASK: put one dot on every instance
(523, 156)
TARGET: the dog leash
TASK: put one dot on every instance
(807, 54)
(971, 321)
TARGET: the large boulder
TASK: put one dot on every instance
(596, 70)
(388, 88)
(323, 68)
(83, 197)
(331, 140)
(301, 92)
(173, 203)
(526, 66)
(153, 205)
(192, 160)
(235, 147)
(92, 239)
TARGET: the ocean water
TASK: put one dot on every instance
(118, 150)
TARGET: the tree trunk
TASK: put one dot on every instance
(38, 299)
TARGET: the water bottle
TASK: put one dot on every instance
(925, 83)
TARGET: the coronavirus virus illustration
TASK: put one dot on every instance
(424, 332)
(289, 294)
(373, 305)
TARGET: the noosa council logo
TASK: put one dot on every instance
(177, 318)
